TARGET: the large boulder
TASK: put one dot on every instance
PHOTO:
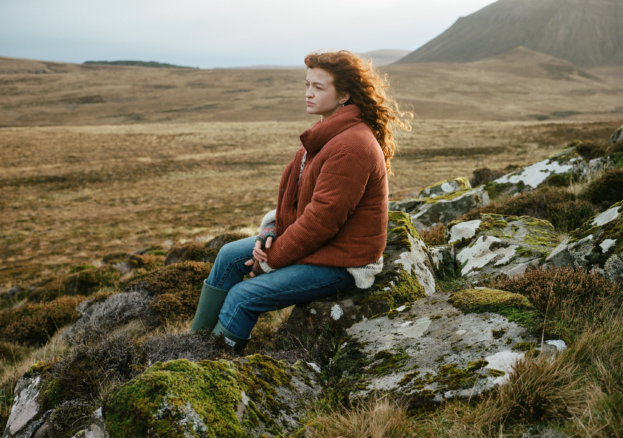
(495, 244)
(407, 275)
(559, 169)
(442, 209)
(596, 245)
(445, 188)
(432, 350)
(253, 396)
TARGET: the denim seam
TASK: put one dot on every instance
(230, 267)
(275, 293)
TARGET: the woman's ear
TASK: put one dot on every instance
(344, 98)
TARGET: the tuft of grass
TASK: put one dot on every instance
(375, 418)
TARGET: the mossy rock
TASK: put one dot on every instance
(254, 396)
(427, 353)
(494, 244)
(596, 245)
(445, 187)
(567, 162)
(515, 307)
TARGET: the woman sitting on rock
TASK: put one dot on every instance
(329, 230)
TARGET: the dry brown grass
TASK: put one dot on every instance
(70, 195)
(376, 418)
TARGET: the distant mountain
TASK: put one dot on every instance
(588, 33)
(151, 64)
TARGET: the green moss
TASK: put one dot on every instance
(515, 307)
(386, 362)
(524, 346)
(496, 190)
(407, 288)
(496, 373)
(451, 378)
(149, 404)
(497, 334)
(447, 197)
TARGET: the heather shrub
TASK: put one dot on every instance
(556, 205)
(435, 235)
(176, 289)
(148, 262)
(606, 190)
(201, 252)
(569, 297)
(590, 150)
(82, 280)
(34, 324)
(483, 175)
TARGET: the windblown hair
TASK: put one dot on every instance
(367, 90)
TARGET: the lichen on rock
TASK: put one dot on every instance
(596, 245)
(493, 244)
(428, 352)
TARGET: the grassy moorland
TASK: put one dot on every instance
(97, 162)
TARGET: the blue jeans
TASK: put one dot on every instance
(247, 300)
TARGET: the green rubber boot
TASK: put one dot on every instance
(210, 303)
(230, 339)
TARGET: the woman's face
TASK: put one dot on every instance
(321, 97)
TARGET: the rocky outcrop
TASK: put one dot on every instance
(406, 276)
(559, 170)
(616, 136)
(431, 350)
(253, 396)
(597, 245)
(442, 209)
(496, 244)
(445, 188)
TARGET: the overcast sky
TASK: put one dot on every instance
(223, 33)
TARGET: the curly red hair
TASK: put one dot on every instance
(367, 90)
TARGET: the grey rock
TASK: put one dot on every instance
(616, 136)
(430, 352)
(613, 269)
(445, 188)
(496, 244)
(26, 414)
(595, 246)
(535, 175)
(443, 259)
(97, 428)
(427, 212)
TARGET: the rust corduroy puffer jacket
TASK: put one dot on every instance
(337, 215)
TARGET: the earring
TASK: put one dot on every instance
(342, 105)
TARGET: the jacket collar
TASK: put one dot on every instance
(318, 135)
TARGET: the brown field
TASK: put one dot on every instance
(97, 159)
(69, 195)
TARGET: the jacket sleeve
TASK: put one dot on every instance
(339, 188)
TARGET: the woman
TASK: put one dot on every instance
(329, 230)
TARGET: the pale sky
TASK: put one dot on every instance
(225, 33)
